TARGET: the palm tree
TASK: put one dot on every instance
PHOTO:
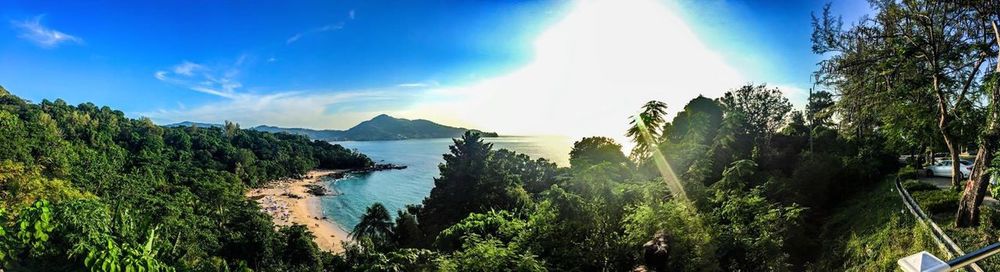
(645, 130)
(375, 224)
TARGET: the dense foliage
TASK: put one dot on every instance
(756, 195)
(923, 74)
(85, 188)
(738, 183)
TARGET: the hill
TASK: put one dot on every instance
(193, 124)
(381, 128)
(104, 192)
(385, 127)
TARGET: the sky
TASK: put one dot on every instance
(573, 68)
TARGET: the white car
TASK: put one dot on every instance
(943, 168)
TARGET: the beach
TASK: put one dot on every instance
(289, 202)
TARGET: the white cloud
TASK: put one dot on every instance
(161, 75)
(319, 110)
(187, 68)
(293, 38)
(798, 96)
(422, 84)
(350, 14)
(220, 81)
(285, 108)
(326, 28)
(32, 30)
(591, 71)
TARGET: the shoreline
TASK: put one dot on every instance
(289, 202)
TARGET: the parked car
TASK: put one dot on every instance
(943, 168)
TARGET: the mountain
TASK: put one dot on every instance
(382, 127)
(311, 133)
(385, 127)
(192, 124)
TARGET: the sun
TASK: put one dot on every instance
(591, 70)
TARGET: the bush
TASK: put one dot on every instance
(990, 217)
(907, 173)
(938, 201)
(917, 186)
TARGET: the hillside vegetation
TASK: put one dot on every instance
(730, 184)
(85, 188)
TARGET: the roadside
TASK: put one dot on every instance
(945, 183)
(869, 232)
(935, 197)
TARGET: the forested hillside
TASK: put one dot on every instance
(85, 188)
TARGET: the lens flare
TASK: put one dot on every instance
(660, 161)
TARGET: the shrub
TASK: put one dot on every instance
(917, 186)
(939, 201)
(907, 173)
(990, 217)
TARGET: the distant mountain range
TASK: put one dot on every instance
(192, 124)
(381, 128)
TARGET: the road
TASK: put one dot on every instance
(945, 183)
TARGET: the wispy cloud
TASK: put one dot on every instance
(219, 81)
(311, 109)
(187, 68)
(314, 109)
(33, 31)
(429, 83)
(326, 28)
(350, 14)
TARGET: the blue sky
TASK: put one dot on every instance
(330, 64)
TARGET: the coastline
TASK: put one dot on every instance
(289, 202)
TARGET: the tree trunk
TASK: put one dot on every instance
(989, 140)
(944, 119)
(956, 174)
(979, 181)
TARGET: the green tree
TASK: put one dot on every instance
(763, 110)
(913, 48)
(489, 255)
(473, 179)
(819, 109)
(406, 230)
(645, 128)
(595, 150)
(375, 224)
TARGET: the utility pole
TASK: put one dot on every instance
(812, 122)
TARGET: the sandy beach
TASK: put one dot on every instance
(289, 202)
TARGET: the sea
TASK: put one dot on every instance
(397, 188)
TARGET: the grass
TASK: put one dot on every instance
(941, 205)
(870, 231)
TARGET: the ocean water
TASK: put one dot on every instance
(397, 188)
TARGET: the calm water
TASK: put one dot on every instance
(398, 188)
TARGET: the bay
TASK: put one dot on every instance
(397, 188)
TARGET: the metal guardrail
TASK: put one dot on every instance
(971, 258)
(943, 241)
